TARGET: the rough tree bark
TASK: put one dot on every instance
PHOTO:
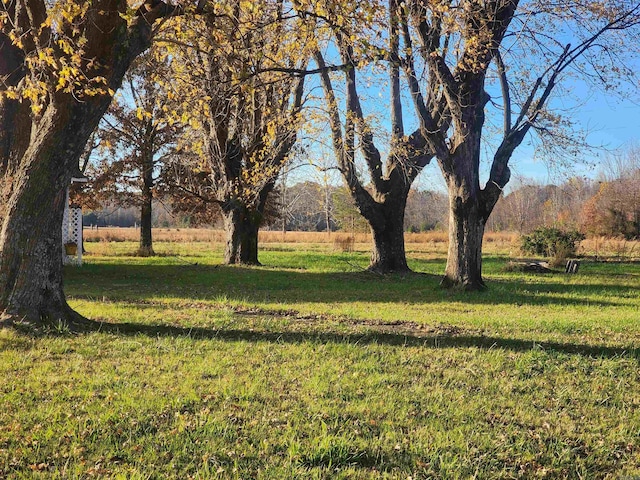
(242, 224)
(468, 207)
(31, 237)
(387, 231)
(41, 151)
(241, 227)
(466, 230)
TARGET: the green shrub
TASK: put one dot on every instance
(551, 242)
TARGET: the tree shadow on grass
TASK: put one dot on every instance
(206, 282)
(439, 340)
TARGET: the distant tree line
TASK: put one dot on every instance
(301, 207)
(606, 206)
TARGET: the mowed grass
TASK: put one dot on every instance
(309, 367)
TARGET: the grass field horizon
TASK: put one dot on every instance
(596, 247)
(310, 367)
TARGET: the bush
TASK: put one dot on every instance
(551, 242)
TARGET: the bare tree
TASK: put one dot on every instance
(381, 200)
(529, 48)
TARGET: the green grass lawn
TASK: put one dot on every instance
(308, 367)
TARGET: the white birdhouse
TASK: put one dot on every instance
(72, 226)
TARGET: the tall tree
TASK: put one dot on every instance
(60, 62)
(381, 198)
(529, 48)
(137, 141)
(235, 78)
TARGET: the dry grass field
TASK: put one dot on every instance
(182, 235)
(504, 243)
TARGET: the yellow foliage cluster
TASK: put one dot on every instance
(230, 80)
(54, 55)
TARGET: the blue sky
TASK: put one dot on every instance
(611, 119)
(612, 122)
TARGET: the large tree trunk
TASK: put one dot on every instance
(469, 205)
(146, 241)
(241, 227)
(387, 230)
(37, 158)
(31, 288)
(466, 231)
(467, 219)
(31, 236)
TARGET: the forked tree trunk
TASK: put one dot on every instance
(241, 227)
(146, 241)
(387, 231)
